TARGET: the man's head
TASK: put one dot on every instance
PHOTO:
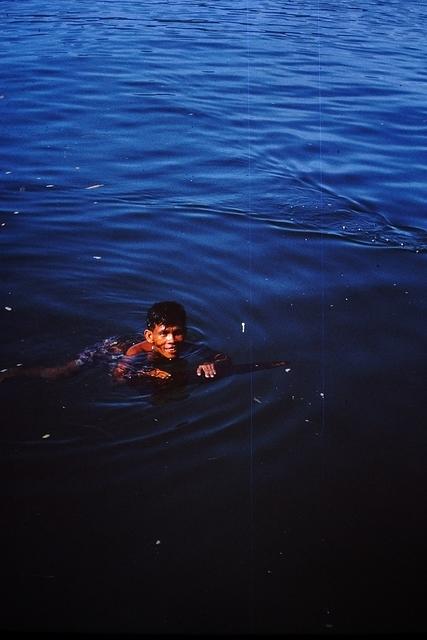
(166, 328)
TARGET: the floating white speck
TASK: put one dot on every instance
(94, 186)
(322, 395)
(8, 308)
(46, 435)
(97, 257)
(257, 400)
(19, 364)
(3, 371)
(8, 172)
(287, 370)
(3, 224)
(49, 186)
(243, 327)
(157, 541)
(15, 213)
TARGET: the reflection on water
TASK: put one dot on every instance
(264, 165)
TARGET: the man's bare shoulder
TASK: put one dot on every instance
(140, 347)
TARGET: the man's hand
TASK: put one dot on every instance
(207, 369)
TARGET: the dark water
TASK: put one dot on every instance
(263, 163)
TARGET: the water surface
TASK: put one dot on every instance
(263, 163)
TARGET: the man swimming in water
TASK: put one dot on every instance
(163, 346)
(163, 354)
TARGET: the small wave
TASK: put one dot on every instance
(352, 222)
(361, 227)
(368, 228)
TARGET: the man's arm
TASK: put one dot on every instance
(47, 373)
(86, 357)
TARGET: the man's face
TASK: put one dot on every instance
(166, 340)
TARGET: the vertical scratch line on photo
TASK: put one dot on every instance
(322, 483)
(321, 205)
(250, 294)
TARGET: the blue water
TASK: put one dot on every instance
(263, 163)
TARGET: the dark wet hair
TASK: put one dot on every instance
(167, 313)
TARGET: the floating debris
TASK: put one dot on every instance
(49, 186)
(158, 542)
(257, 400)
(8, 308)
(46, 435)
(287, 370)
(97, 257)
(243, 327)
(94, 186)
